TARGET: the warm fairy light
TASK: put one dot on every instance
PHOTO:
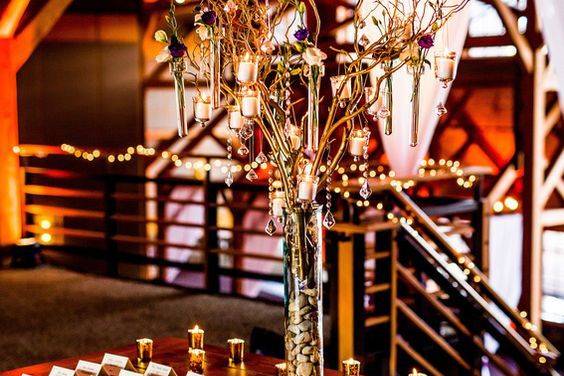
(46, 238)
(542, 360)
(511, 203)
(498, 207)
(523, 314)
(45, 224)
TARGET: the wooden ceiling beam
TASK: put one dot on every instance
(11, 17)
(38, 28)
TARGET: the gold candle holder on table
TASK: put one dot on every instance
(236, 351)
(144, 352)
(415, 373)
(281, 369)
(196, 338)
(351, 367)
(196, 360)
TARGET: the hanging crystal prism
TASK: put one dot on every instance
(365, 190)
(261, 158)
(251, 175)
(215, 71)
(246, 132)
(270, 227)
(328, 220)
(177, 69)
(243, 150)
(441, 109)
(229, 178)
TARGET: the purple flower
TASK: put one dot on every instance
(426, 41)
(176, 47)
(301, 34)
(209, 17)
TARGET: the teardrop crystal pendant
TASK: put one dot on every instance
(383, 112)
(229, 178)
(243, 150)
(261, 158)
(328, 220)
(441, 109)
(270, 227)
(251, 175)
(246, 132)
(365, 190)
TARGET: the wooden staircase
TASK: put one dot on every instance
(418, 302)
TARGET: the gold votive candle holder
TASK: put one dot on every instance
(236, 350)
(351, 367)
(281, 369)
(144, 351)
(196, 360)
(196, 338)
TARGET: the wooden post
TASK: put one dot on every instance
(10, 214)
(110, 227)
(210, 236)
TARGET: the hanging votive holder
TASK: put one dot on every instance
(357, 143)
(247, 69)
(235, 119)
(445, 67)
(370, 94)
(202, 109)
(278, 200)
(307, 187)
(341, 86)
(250, 104)
(177, 69)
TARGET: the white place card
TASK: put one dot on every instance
(60, 371)
(125, 372)
(91, 368)
(156, 369)
(118, 361)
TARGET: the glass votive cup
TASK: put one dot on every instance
(351, 367)
(196, 361)
(144, 351)
(196, 338)
(236, 350)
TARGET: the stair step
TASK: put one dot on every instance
(377, 320)
(377, 255)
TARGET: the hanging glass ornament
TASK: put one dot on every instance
(261, 158)
(270, 227)
(247, 69)
(357, 142)
(243, 150)
(441, 109)
(370, 97)
(445, 67)
(341, 87)
(251, 175)
(202, 109)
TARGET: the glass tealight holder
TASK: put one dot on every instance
(144, 352)
(236, 351)
(343, 84)
(281, 369)
(445, 67)
(307, 187)
(247, 69)
(357, 143)
(295, 136)
(196, 361)
(196, 338)
(278, 200)
(370, 96)
(250, 104)
(202, 109)
(235, 119)
(351, 367)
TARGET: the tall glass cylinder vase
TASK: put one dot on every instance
(415, 109)
(215, 71)
(311, 134)
(177, 69)
(303, 292)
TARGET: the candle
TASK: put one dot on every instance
(307, 187)
(235, 117)
(236, 350)
(295, 137)
(357, 143)
(281, 369)
(415, 373)
(341, 81)
(196, 360)
(278, 203)
(196, 338)
(202, 109)
(144, 352)
(351, 367)
(445, 66)
(247, 71)
(370, 94)
(250, 104)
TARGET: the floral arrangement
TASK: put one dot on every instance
(261, 62)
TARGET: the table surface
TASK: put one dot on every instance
(171, 352)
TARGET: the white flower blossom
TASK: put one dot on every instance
(160, 36)
(314, 56)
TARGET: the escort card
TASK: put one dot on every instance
(125, 372)
(118, 361)
(156, 369)
(60, 371)
(87, 368)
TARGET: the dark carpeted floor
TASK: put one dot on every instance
(49, 313)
